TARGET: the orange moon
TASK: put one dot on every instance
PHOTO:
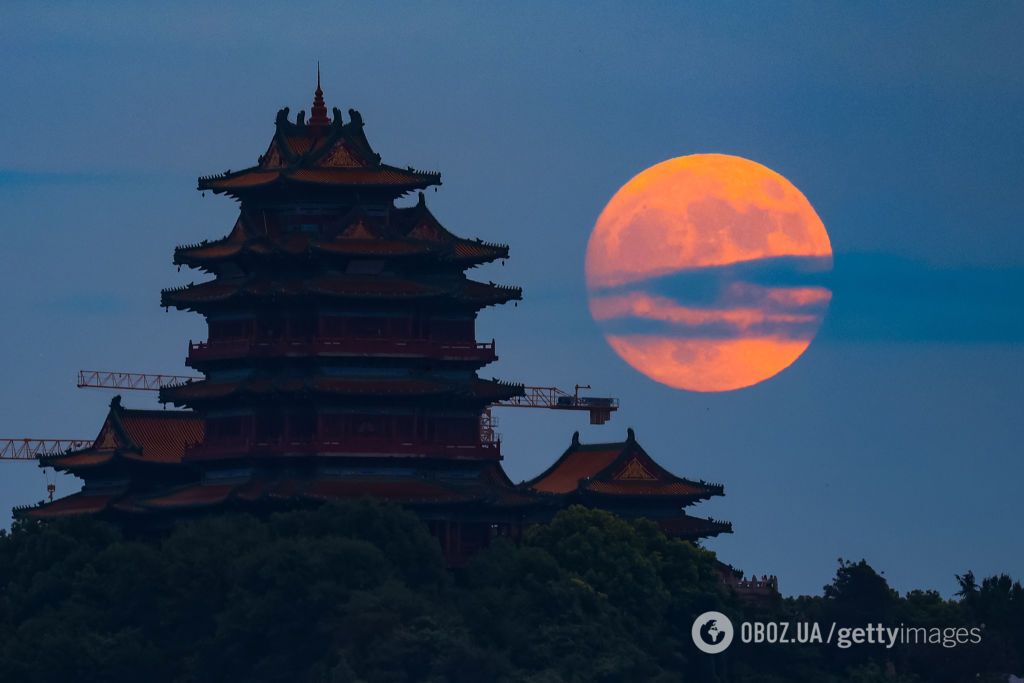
(704, 272)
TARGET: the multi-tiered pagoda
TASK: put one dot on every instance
(342, 362)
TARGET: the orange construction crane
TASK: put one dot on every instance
(600, 408)
(552, 398)
(30, 449)
(140, 381)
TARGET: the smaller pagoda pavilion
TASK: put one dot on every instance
(136, 453)
(622, 478)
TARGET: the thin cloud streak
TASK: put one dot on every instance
(884, 298)
(771, 313)
(13, 179)
(876, 297)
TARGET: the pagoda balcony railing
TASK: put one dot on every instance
(354, 447)
(407, 348)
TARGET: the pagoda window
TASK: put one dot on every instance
(401, 328)
(335, 426)
(367, 327)
(332, 326)
(303, 224)
(301, 425)
(405, 426)
(269, 426)
(459, 430)
(228, 329)
(451, 330)
(302, 326)
(365, 267)
(269, 328)
(371, 426)
(225, 428)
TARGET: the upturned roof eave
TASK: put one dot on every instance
(416, 180)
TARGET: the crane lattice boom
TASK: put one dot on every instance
(140, 381)
(600, 408)
(553, 398)
(30, 449)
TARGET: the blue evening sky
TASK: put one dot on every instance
(896, 437)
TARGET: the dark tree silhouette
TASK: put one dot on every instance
(359, 592)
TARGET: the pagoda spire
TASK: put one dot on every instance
(318, 114)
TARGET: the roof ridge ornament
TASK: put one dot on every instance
(318, 114)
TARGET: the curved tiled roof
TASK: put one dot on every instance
(383, 176)
(408, 490)
(161, 436)
(339, 286)
(322, 152)
(685, 526)
(403, 232)
(153, 436)
(566, 474)
(75, 504)
(616, 469)
(398, 490)
(88, 457)
(647, 488)
(192, 495)
(371, 247)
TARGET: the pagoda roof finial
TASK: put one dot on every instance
(318, 113)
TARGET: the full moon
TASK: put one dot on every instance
(704, 272)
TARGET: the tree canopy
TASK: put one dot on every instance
(359, 592)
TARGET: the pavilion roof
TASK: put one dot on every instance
(148, 436)
(76, 504)
(323, 151)
(408, 232)
(189, 495)
(411, 488)
(488, 486)
(620, 469)
(338, 286)
(685, 526)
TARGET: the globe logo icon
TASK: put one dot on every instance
(712, 632)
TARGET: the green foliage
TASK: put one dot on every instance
(360, 593)
(859, 595)
(591, 597)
